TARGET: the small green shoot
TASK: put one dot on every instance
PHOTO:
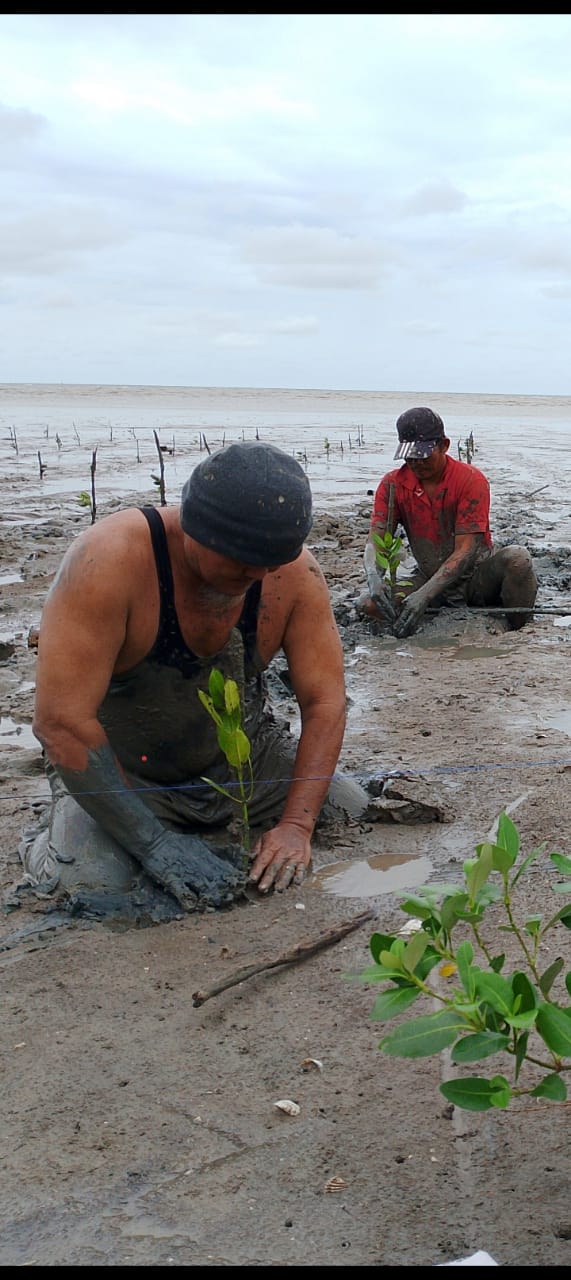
(388, 557)
(222, 703)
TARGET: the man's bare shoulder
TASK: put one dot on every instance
(301, 575)
(117, 542)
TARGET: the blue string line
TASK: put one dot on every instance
(376, 775)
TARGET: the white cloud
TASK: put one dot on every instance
(392, 191)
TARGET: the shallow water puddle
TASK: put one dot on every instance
(472, 651)
(19, 734)
(7, 578)
(561, 721)
(383, 873)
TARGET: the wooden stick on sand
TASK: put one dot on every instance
(301, 952)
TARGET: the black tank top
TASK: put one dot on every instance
(169, 649)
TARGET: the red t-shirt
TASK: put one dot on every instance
(460, 504)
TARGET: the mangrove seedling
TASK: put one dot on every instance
(222, 703)
(484, 1009)
(388, 549)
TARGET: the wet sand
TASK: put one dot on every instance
(141, 1131)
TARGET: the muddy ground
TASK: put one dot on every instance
(139, 1130)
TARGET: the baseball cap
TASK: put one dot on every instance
(419, 431)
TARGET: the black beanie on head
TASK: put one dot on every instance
(250, 502)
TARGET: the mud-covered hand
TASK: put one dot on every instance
(281, 857)
(196, 877)
(411, 613)
(378, 588)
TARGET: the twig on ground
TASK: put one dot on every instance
(301, 952)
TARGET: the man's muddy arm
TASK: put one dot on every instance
(183, 864)
(315, 661)
(461, 561)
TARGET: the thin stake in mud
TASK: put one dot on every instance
(93, 469)
(563, 611)
(293, 956)
(161, 477)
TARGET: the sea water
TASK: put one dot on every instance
(116, 436)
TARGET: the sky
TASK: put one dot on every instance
(337, 201)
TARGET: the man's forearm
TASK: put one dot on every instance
(100, 790)
(316, 759)
(448, 574)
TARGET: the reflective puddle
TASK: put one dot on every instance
(472, 651)
(561, 721)
(13, 734)
(383, 873)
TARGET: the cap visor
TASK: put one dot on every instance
(415, 448)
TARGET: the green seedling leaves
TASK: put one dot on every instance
(493, 1010)
(223, 704)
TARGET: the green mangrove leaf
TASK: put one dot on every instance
(464, 958)
(562, 862)
(209, 705)
(424, 1036)
(482, 1044)
(471, 1094)
(415, 950)
(554, 1027)
(522, 987)
(234, 744)
(380, 942)
(551, 973)
(521, 1043)
(508, 835)
(495, 990)
(216, 688)
(552, 1087)
(479, 872)
(393, 1001)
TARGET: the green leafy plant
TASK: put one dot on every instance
(222, 703)
(388, 557)
(487, 1010)
(84, 499)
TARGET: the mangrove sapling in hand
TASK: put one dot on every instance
(222, 703)
(487, 1010)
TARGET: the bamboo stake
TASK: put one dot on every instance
(391, 508)
(301, 952)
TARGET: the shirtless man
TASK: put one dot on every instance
(444, 508)
(146, 602)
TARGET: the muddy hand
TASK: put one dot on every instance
(410, 614)
(281, 857)
(194, 875)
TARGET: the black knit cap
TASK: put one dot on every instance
(419, 430)
(250, 502)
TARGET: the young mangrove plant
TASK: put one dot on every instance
(388, 549)
(485, 1007)
(223, 705)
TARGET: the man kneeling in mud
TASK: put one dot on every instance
(444, 508)
(144, 605)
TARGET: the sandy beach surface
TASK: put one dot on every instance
(139, 1130)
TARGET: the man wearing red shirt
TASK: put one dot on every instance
(444, 508)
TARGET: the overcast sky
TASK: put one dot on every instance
(287, 200)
